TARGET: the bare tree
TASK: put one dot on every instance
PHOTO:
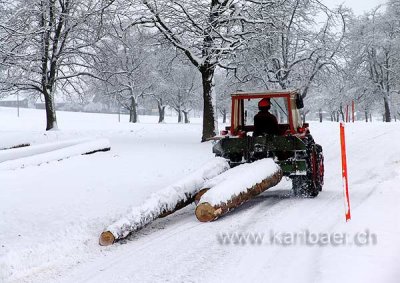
(183, 92)
(165, 59)
(380, 50)
(226, 85)
(48, 43)
(126, 67)
(373, 58)
(293, 53)
(205, 31)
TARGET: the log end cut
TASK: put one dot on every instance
(106, 239)
(205, 212)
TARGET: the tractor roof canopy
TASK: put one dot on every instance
(262, 94)
(293, 102)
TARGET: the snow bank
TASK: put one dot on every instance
(48, 153)
(167, 198)
(238, 180)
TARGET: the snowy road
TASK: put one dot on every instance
(52, 215)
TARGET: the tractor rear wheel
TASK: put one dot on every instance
(309, 185)
(304, 187)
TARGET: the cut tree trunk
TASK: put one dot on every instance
(205, 211)
(39, 154)
(164, 202)
(199, 195)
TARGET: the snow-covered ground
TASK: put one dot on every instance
(51, 215)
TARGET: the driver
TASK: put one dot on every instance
(265, 122)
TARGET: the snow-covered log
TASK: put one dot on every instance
(236, 186)
(14, 140)
(16, 152)
(19, 145)
(36, 155)
(164, 202)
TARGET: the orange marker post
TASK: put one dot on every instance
(344, 172)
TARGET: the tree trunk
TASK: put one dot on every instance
(209, 121)
(320, 115)
(186, 114)
(51, 118)
(133, 111)
(386, 101)
(224, 116)
(366, 116)
(304, 114)
(341, 113)
(161, 112)
(179, 115)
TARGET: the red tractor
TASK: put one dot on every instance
(293, 148)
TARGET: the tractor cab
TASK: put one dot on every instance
(293, 149)
(285, 107)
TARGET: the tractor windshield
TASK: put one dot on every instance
(278, 108)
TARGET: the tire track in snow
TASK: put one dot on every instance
(157, 232)
(321, 212)
(318, 211)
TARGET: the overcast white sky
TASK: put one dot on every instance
(358, 6)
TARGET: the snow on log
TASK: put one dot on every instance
(14, 140)
(236, 186)
(164, 202)
(20, 152)
(36, 155)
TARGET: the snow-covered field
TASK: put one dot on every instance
(51, 215)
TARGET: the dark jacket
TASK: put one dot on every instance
(265, 123)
